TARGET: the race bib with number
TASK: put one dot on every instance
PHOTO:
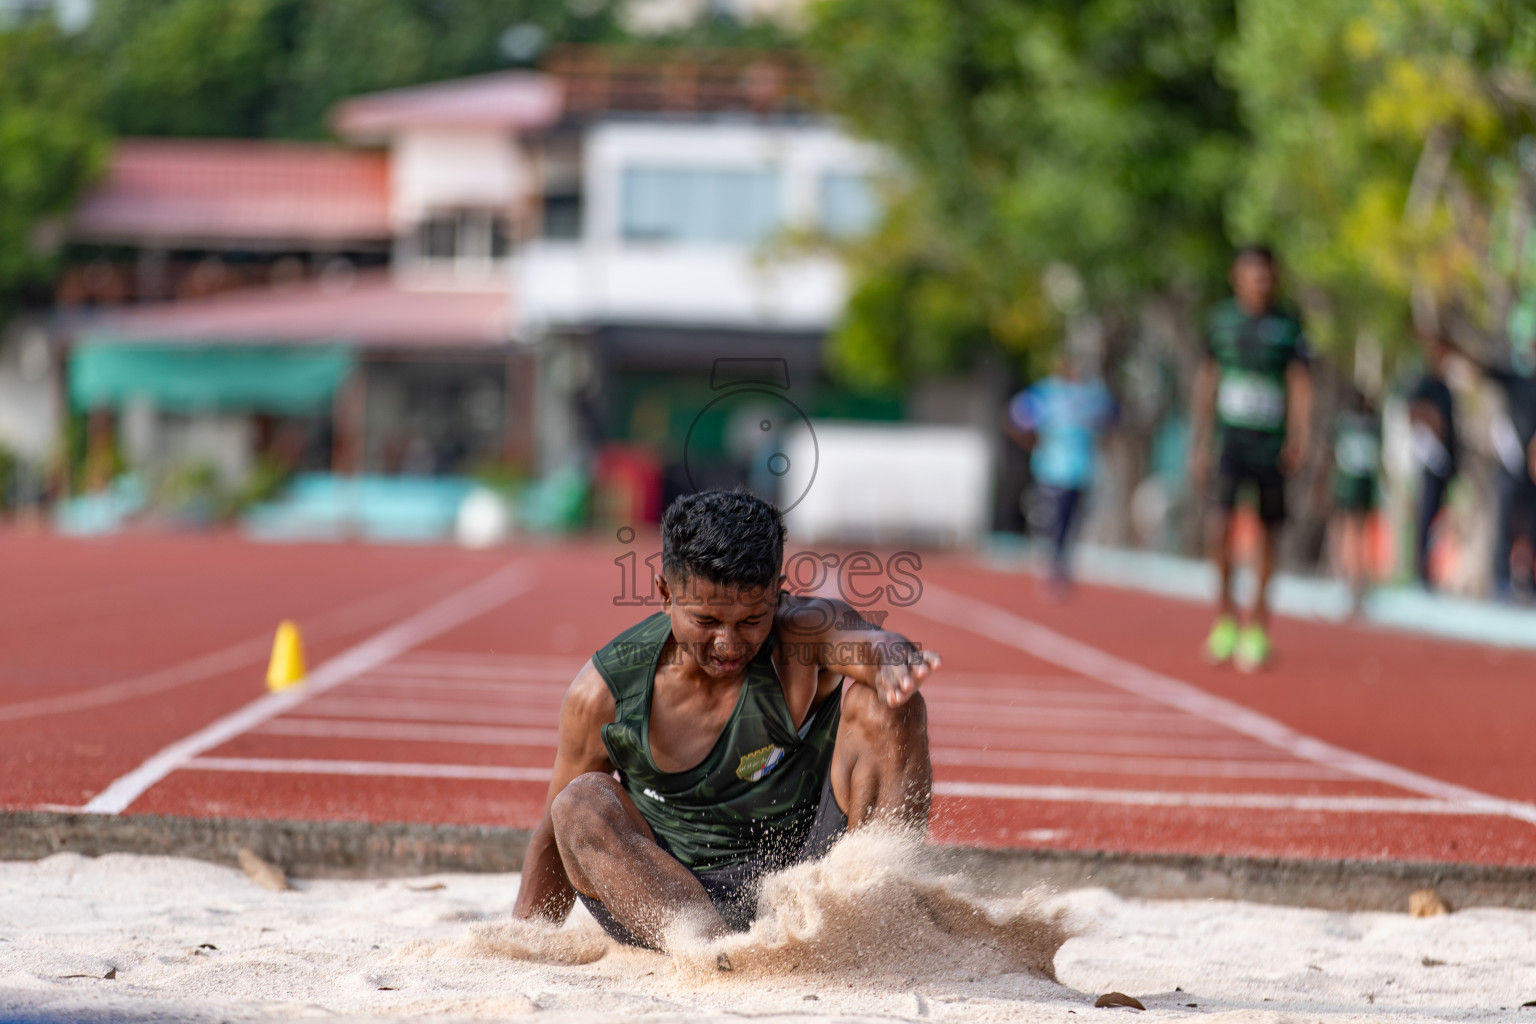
(1357, 453)
(1251, 401)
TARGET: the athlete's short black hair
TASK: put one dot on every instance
(1256, 250)
(732, 538)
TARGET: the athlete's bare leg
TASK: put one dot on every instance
(1219, 547)
(880, 773)
(610, 855)
(880, 767)
(1269, 544)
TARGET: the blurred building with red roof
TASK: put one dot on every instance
(522, 268)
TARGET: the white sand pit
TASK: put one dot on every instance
(869, 934)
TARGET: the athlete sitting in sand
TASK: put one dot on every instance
(738, 749)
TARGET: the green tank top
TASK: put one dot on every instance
(754, 796)
(1254, 353)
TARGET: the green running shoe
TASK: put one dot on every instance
(1252, 651)
(1222, 642)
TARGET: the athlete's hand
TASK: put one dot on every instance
(897, 683)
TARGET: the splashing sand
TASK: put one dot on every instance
(874, 909)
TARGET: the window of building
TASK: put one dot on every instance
(847, 204)
(710, 206)
(561, 217)
(463, 235)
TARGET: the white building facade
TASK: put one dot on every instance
(703, 224)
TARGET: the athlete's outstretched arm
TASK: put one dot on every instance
(588, 706)
(836, 635)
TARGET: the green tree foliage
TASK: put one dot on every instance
(195, 67)
(1056, 155)
(51, 144)
(275, 67)
(1387, 156)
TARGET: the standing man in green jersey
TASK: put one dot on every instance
(748, 728)
(1255, 389)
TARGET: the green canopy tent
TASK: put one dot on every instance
(190, 378)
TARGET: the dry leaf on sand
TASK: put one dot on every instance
(1427, 903)
(263, 873)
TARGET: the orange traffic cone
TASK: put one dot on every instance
(287, 666)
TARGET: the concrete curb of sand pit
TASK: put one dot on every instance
(341, 849)
(1348, 885)
(304, 849)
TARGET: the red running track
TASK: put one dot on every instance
(132, 683)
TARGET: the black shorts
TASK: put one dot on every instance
(1354, 494)
(733, 890)
(1237, 467)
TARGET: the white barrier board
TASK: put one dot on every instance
(889, 483)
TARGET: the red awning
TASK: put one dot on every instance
(229, 192)
(374, 311)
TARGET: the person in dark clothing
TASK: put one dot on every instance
(1432, 413)
(1514, 440)
(1514, 443)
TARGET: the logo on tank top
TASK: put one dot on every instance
(648, 791)
(759, 763)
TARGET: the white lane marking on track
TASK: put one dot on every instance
(1165, 722)
(1022, 693)
(343, 729)
(454, 610)
(506, 673)
(215, 663)
(1045, 794)
(1029, 682)
(434, 711)
(503, 665)
(433, 656)
(236, 656)
(1064, 742)
(1187, 767)
(203, 667)
(305, 766)
(1168, 798)
(435, 687)
(956, 756)
(946, 606)
(1022, 707)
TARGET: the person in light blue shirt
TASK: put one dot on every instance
(1059, 419)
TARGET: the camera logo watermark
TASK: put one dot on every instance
(759, 427)
(759, 423)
